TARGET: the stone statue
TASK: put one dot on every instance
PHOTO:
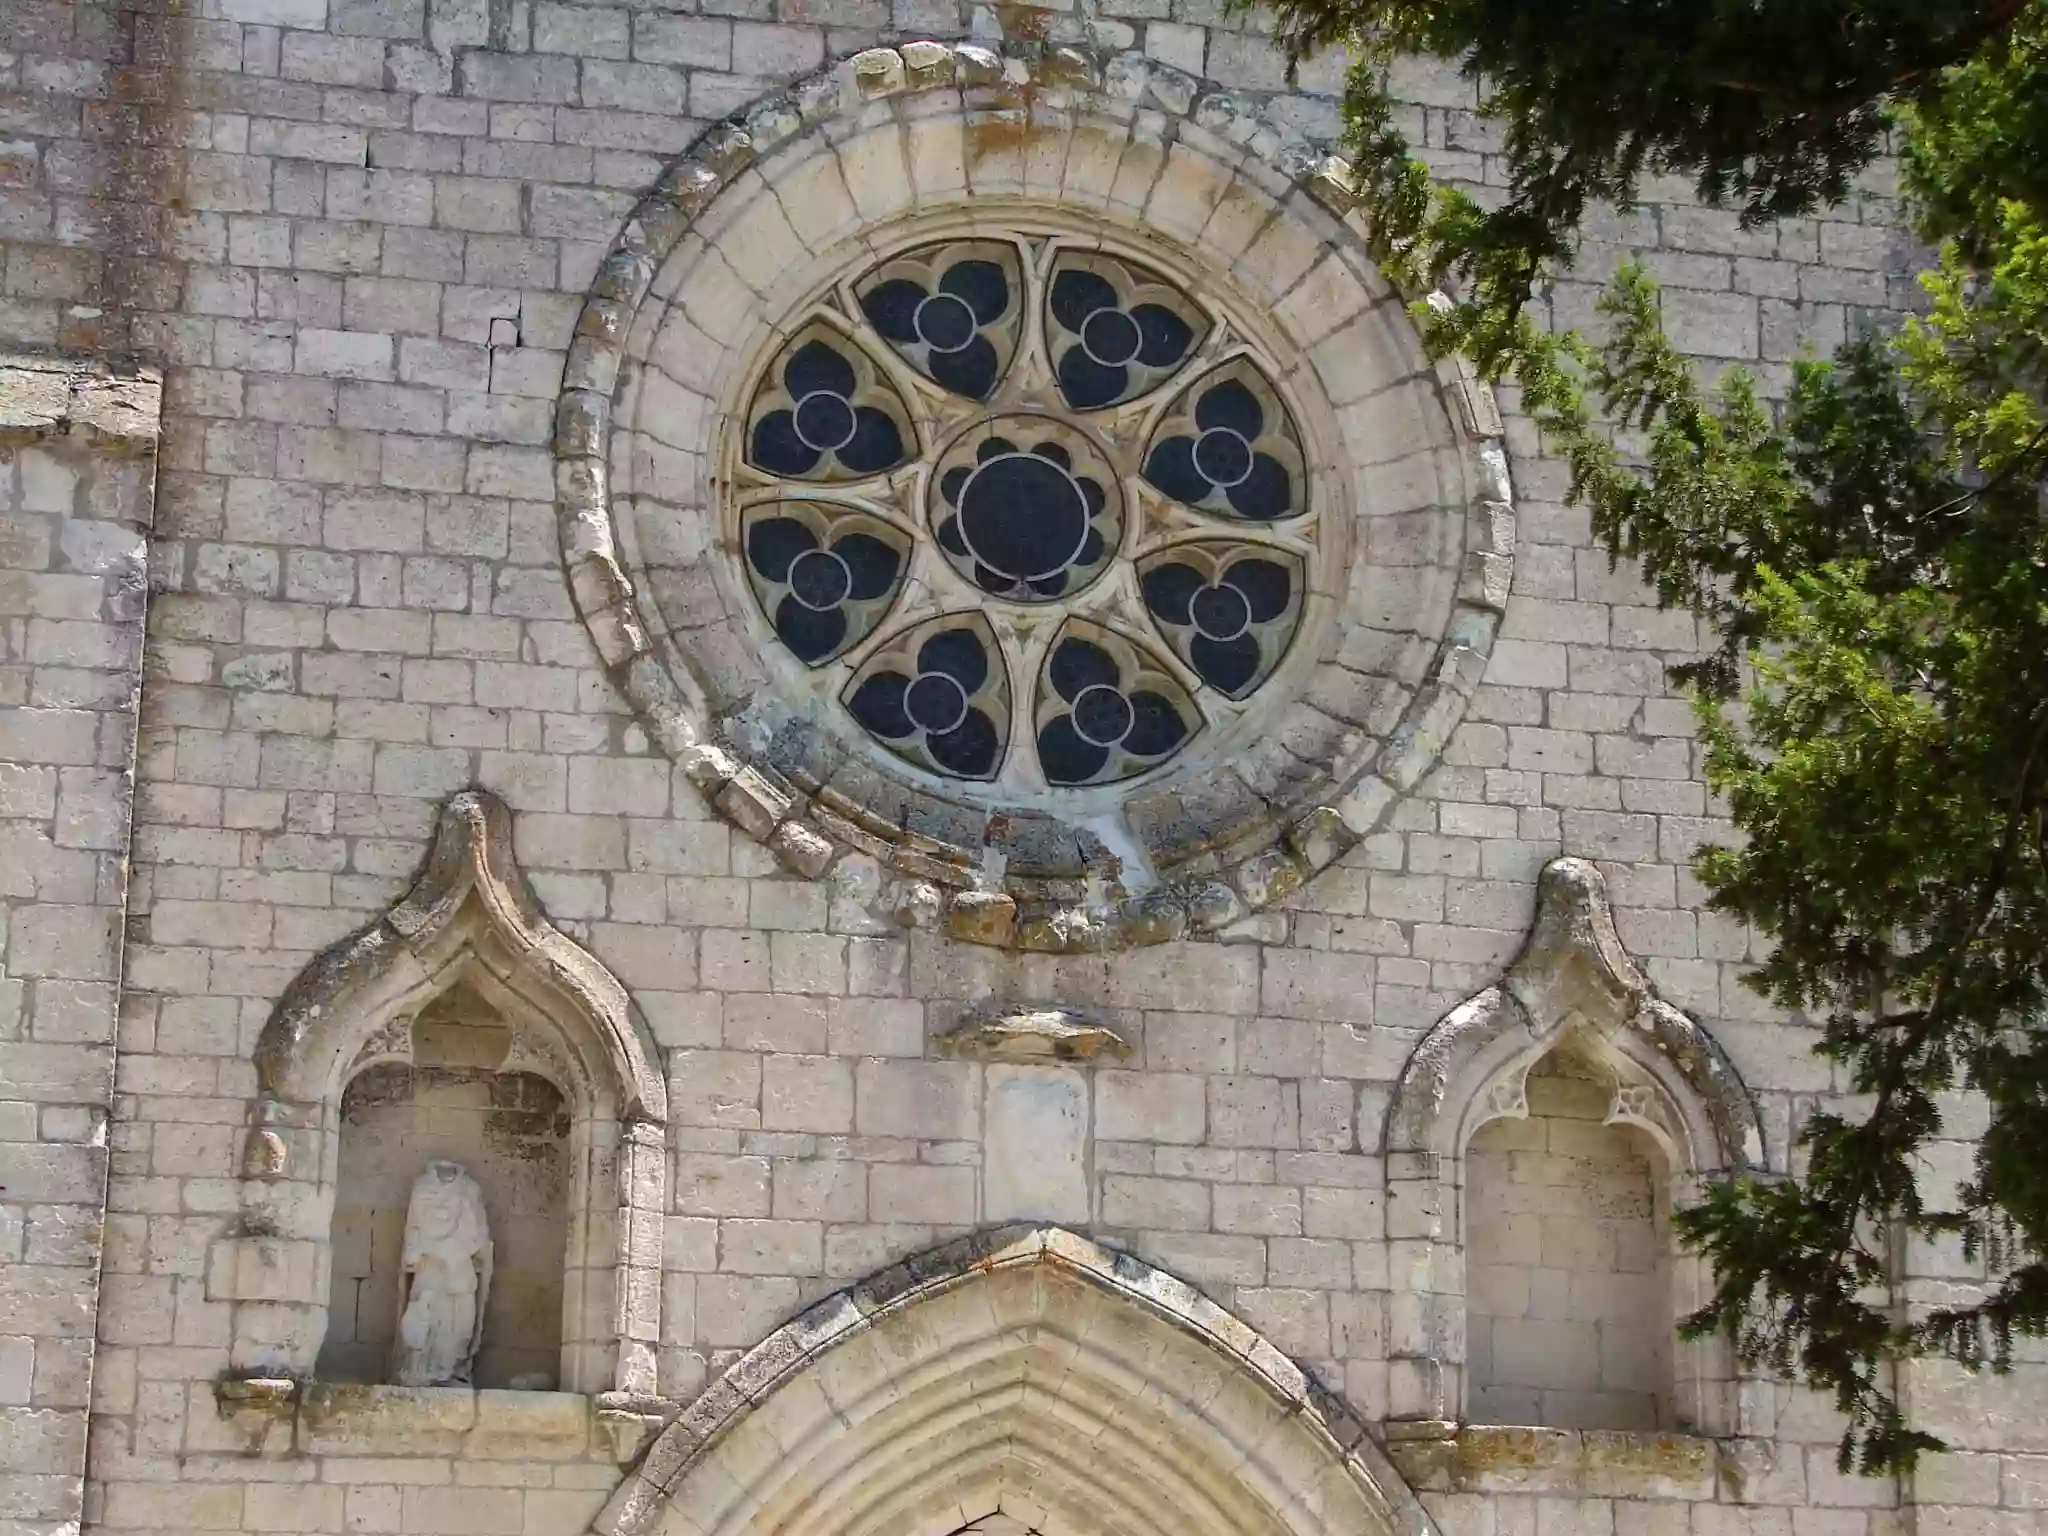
(446, 1279)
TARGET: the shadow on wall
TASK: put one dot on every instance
(1567, 1230)
(510, 1131)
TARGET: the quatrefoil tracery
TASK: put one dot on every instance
(985, 461)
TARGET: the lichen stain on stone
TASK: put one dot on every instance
(1024, 23)
(997, 134)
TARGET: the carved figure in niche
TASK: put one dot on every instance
(446, 1279)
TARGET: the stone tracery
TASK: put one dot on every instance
(1097, 450)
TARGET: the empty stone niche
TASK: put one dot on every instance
(1568, 1260)
(511, 1131)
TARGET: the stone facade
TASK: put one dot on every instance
(78, 450)
(925, 1166)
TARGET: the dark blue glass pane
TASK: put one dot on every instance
(958, 654)
(1169, 589)
(969, 749)
(1268, 491)
(1087, 384)
(775, 541)
(950, 540)
(1226, 664)
(1049, 586)
(935, 702)
(1092, 493)
(876, 444)
(993, 448)
(819, 579)
(778, 449)
(1266, 586)
(1023, 516)
(1065, 757)
(1221, 613)
(1156, 725)
(952, 482)
(870, 562)
(1102, 715)
(815, 366)
(1076, 665)
(992, 581)
(1077, 295)
(1111, 336)
(891, 308)
(1171, 467)
(982, 285)
(971, 371)
(812, 634)
(1166, 337)
(824, 421)
(1230, 404)
(878, 704)
(1092, 549)
(1223, 457)
(945, 323)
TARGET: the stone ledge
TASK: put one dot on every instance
(43, 397)
(346, 1419)
(1580, 1463)
(1033, 1038)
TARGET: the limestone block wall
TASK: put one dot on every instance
(357, 235)
(77, 484)
(1568, 1265)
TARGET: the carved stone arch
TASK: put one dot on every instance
(1574, 974)
(471, 919)
(1573, 985)
(1025, 1371)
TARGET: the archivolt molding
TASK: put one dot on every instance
(1207, 852)
(1573, 974)
(1025, 1371)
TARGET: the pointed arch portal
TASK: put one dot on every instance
(1027, 1373)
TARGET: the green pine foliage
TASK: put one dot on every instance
(1874, 557)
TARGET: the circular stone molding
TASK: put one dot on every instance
(1017, 469)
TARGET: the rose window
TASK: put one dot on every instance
(1024, 512)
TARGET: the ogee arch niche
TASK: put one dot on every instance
(465, 989)
(1026, 1380)
(1538, 1140)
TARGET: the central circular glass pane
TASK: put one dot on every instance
(944, 323)
(1223, 457)
(1102, 715)
(1222, 613)
(1023, 516)
(1111, 337)
(936, 702)
(824, 422)
(818, 579)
